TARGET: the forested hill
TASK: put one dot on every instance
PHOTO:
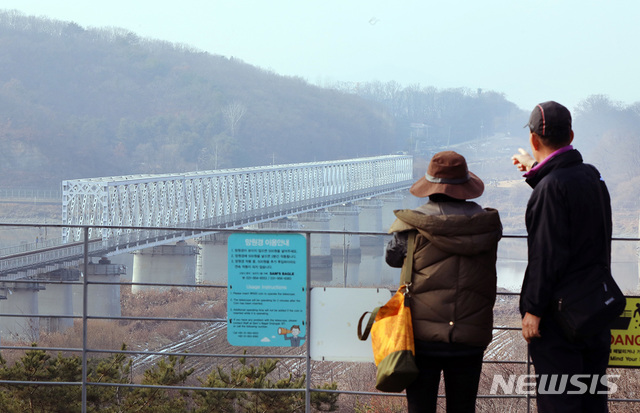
(84, 103)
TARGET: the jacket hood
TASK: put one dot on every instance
(458, 234)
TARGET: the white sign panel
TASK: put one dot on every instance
(334, 322)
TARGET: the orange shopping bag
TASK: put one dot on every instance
(392, 336)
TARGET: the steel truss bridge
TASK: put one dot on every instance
(205, 199)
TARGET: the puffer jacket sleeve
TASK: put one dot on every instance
(396, 249)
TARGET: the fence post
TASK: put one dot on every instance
(529, 375)
(308, 317)
(85, 270)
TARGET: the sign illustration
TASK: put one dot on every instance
(625, 336)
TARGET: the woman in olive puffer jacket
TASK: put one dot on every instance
(453, 286)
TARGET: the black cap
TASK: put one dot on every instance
(550, 118)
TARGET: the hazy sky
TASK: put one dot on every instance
(531, 51)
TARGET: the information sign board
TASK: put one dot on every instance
(267, 294)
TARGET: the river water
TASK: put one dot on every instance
(372, 271)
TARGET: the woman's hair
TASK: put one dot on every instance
(444, 198)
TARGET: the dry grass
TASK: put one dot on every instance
(178, 304)
(201, 302)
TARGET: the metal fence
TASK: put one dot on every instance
(507, 355)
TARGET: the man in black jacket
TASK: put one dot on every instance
(568, 222)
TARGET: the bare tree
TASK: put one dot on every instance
(232, 113)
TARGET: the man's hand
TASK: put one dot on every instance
(523, 160)
(530, 327)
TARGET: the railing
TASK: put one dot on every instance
(506, 355)
(30, 194)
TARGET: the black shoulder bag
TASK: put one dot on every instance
(584, 315)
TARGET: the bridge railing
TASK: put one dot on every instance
(26, 247)
(202, 343)
(30, 194)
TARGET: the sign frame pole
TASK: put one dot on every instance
(308, 328)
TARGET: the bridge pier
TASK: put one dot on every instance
(345, 248)
(103, 300)
(321, 261)
(22, 298)
(345, 218)
(370, 221)
(164, 264)
(57, 299)
(212, 263)
(390, 202)
(373, 269)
